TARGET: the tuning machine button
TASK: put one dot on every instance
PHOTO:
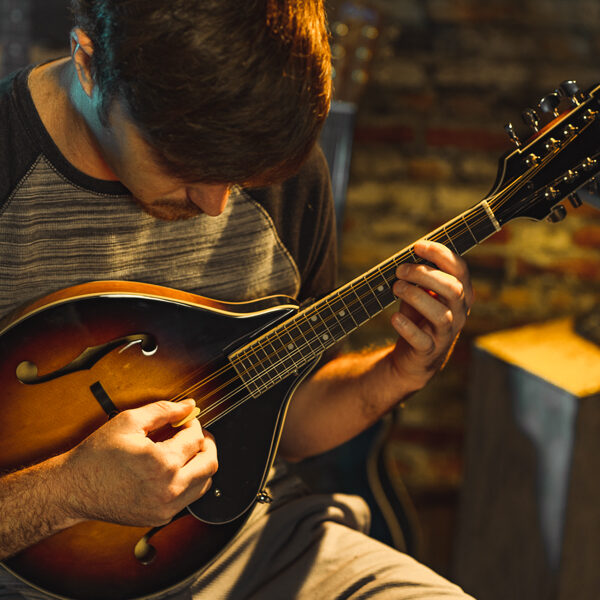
(531, 119)
(557, 214)
(575, 200)
(593, 187)
(549, 104)
(569, 89)
(512, 134)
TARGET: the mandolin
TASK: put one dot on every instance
(68, 362)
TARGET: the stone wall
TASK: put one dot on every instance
(445, 78)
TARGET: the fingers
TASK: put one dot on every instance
(189, 482)
(421, 340)
(185, 444)
(155, 415)
(436, 301)
(197, 473)
(441, 316)
(447, 262)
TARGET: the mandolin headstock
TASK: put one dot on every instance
(559, 159)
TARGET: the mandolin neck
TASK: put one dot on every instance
(302, 338)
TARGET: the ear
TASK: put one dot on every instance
(81, 54)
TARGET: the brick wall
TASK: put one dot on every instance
(447, 75)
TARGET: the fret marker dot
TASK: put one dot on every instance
(313, 319)
(290, 346)
(342, 313)
(326, 337)
(380, 288)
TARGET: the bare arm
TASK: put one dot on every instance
(118, 474)
(351, 392)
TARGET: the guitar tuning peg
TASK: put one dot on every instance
(549, 104)
(557, 214)
(575, 200)
(569, 89)
(531, 119)
(512, 134)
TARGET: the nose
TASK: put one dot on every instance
(211, 198)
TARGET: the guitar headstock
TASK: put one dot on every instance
(560, 158)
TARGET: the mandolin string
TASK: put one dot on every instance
(350, 305)
(502, 198)
(399, 259)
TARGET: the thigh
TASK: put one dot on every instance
(316, 548)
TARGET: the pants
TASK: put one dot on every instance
(305, 547)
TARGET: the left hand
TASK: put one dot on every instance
(432, 313)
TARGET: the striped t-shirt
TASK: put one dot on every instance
(60, 227)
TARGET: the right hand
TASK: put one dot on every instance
(118, 474)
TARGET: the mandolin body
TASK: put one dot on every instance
(107, 345)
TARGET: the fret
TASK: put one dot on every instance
(248, 374)
(353, 301)
(383, 287)
(313, 343)
(283, 357)
(293, 347)
(320, 329)
(374, 295)
(388, 270)
(462, 236)
(449, 243)
(369, 299)
(289, 346)
(264, 361)
(483, 223)
(330, 317)
(466, 222)
(343, 315)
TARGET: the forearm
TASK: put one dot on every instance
(340, 400)
(34, 504)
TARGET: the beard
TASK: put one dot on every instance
(169, 210)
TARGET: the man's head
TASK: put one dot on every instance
(222, 90)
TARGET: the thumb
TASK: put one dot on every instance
(158, 414)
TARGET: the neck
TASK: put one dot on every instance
(69, 116)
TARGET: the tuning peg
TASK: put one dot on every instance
(557, 214)
(569, 89)
(512, 134)
(531, 119)
(593, 187)
(575, 200)
(549, 104)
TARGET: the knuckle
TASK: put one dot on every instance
(457, 289)
(212, 466)
(170, 466)
(163, 406)
(429, 348)
(125, 418)
(164, 514)
(447, 319)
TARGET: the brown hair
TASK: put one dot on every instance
(223, 90)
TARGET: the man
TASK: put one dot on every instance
(175, 146)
